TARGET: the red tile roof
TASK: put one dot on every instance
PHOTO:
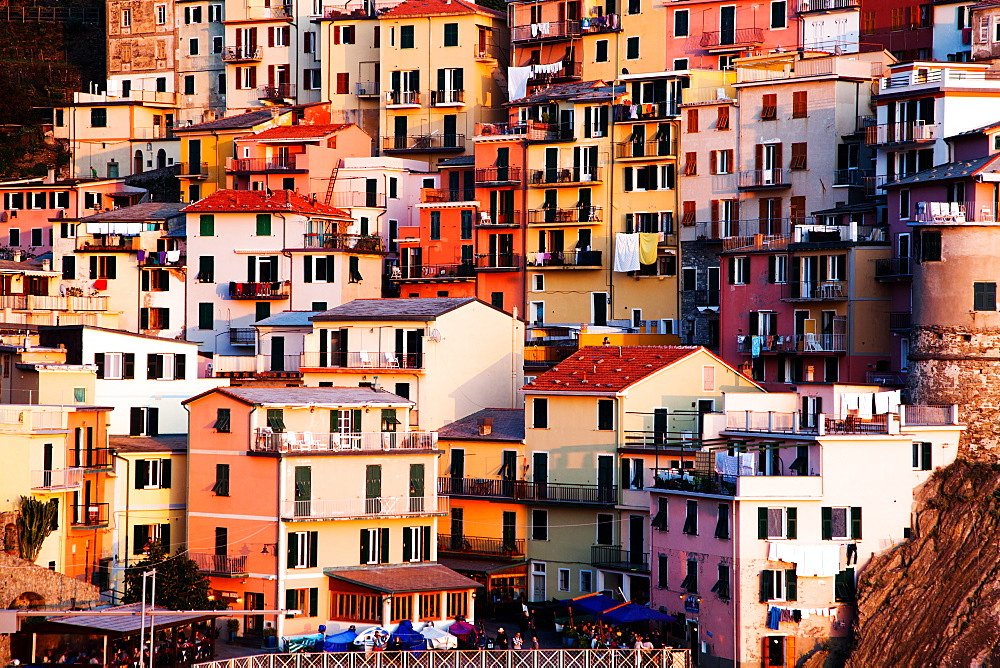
(304, 132)
(259, 201)
(399, 579)
(430, 7)
(607, 369)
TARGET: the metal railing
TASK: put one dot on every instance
(525, 490)
(498, 175)
(271, 290)
(362, 360)
(428, 195)
(764, 178)
(567, 259)
(402, 97)
(161, 259)
(430, 272)
(719, 38)
(382, 506)
(219, 564)
(792, 343)
(818, 423)
(746, 227)
(814, 290)
(69, 478)
(276, 164)
(656, 148)
(366, 88)
(358, 198)
(89, 515)
(702, 297)
(537, 32)
(480, 545)
(955, 212)
(266, 440)
(885, 378)
(893, 268)
(695, 481)
(193, 169)
(650, 111)
(359, 243)
(914, 415)
(572, 214)
(426, 142)
(487, 218)
(825, 5)
(852, 177)
(276, 92)
(900, 321)
(92, 458)
(53, 303)
(546, 355)
(901, 133)
(106, 244)
(242, 336)
(444, 97)
(233, 54)
(613, 556)
(571, 69)
(498, 261)
(485, 52)
(554, 176)
(253, 365)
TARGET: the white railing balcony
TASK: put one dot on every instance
(955, 212)
(906, 132)
(360, 442)
(53, 303)
(30, 418)
(381, 507)
(227, 365)
(71, 478)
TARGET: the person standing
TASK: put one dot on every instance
(517, 641)
(502, 640)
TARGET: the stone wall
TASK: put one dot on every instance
(693, 325)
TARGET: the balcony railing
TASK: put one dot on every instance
(196, 169)
(658, 148)
(241, 54)
(266, 440)
(532, 130)
(53, 303)
(914, 415)
(551, 30)
(447, 97)
(358, 243)
(826, 5)
(162, 259)
(900, 321)
(94, 458)
(484, 53)
(893, 269)
(427, 142)
(737, 37)
(480, 545)
(955, 212)
(566, 259)
(363, 359)
(106, 244)
(791, 343)
(487, 175)
(381, 507)
(401, 98)
(565, 176)
(220, 564)
(498, 261)
(571, 69)
(277, 92)
(764, 178)
(69, 478)
(271, 290)
(614, 557)
(906, 132)
(242, 336)
(504, 218)
(547, 355)
(366, 89)
(574, 214)
(432, 272)
(524, 490)
(428, 195)
(90, 515)
(747, 227)
(650, 111)
(259, 165)
(358, 198)
(797, 423)
(245, 366)
(814, 291)
(852, 177)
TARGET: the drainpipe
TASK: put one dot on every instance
(128, 489)
(281, 548)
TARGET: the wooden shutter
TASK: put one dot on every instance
(791, 585)
(365, 546)
(307, 268)
(128, 368)
(140, 536)
(791, 516)
(293, 550)
(798, 155)
(713, 162)
(270, 35)
(766, 584)
(758, 157)
(826, 522)
(180, 366)
(778, 156)
(925, 456)
(692, 120)
(688, 212)
(141, 468)
(99, 361)
(587, 121)
(722, 122)
(152, 421)
(856, 522)
(407, 544)
(761, 512)
(136, 417)
(343, 83)
(165, 473)
(800, 104)
(383, 544)
(313, 601)
(313, 548)
(165, 537)
(772, 262)
(291, 601)
(714, 215)
(425, 544)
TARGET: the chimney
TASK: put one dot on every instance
(17, 256)
(50, 176)
(485, 426)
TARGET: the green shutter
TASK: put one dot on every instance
(762, 523)
(925, 456)
(416, 480)
(365, 546)
(263, 224)
(791, 523)
(140, 535)
(856, 522)
(206, 315)
(206, 227)
(373, 481)
(291, 600)
(356, 420)
(165, 473)
(307, 268)
(313, 601)
(425, 544)
(141, 473)
(766, 585)
(313, 548)
(383, 544)
(407, 544)
(826, 513)
(293, 550)
(791, 585)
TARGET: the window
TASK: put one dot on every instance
(263, 224)
(904, 204)
(844, 588)
(708, 379)
(154, 318)
(721, 587)
(126, 18)
(539, 525)
(217, 43)
(466, 225)
(662, 519)
(722, 522)
(206, 315)
(662, 571)
(722, 118)
(152, 474)
(14, 236)
(166, 366)
(458, 604)
(103, 266)
(779, 15)
(634, 6)
(429, 606)
(690, 581)
(221, 486)
(777, 269)
(192, 15)
(601, 51)
(309, 42)
(215, 13)
(681, 23)
(312, 79)
(69, 268)
(631, 48)
(841, 523)
(563, 579)
(800, 104)
(193, 46)
(691, 518)
(539, 413)
(435, 225)
(586, 581)
(930, 246)
(406, 37)
(778, 585)
(451, 34)
(223, 420)
(692, 120)
(206, 225)
(605, 414)
(246, 78)
(632, 473)
(798, 155)
(922, 456)
(189, 84)
(777, 523)
(720, 162)
(115, 366)
(98, 117)
(306, 601)
(538, 283)
(984, 296)
(155, 280)
(769, 107)
(319, 269)
(739, 270)
(354, 269)
(416, 543)
(206, 269)
(605, 529)
(161, 14)
(303, 548)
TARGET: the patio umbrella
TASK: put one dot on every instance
(339, 642)
(461, 628)
(592, 604)
(634, 613)
(439, 639)
(407, 637)
(360, 640)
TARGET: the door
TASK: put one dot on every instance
(509, 472)
(551, 165)
(540, 473)
(769, 167)
(713, 286)
(457, 528)
(416, 488)
(450, 130)
(584, 211)
(457, 471)
(137, 163)
(253, 624)
(538, 581)
(606, 478)
(47, 465)
(692, 641)
(371, 192)
(194, 156)
(509, 532)
(373, 489)
(599, 316)
(661, 417)
(399, 131)
(727, 24)
(277, 353)
(704, 406)
(303, 491)
(503, 165)
(636, 542)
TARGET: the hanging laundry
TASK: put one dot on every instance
(648, 242)
(517, 81)
(173, 255)
(140, 256)
(773, 618)
(626, 252)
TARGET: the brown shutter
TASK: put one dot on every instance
(336, 34)
(689, 212)
(692, 120)
(270, 76)
(376, 38)
(253, 77)
(778, 163)
(723, 121)
(730, 159)
(713, 162)
(270, 36)
(715, 219)
(343, 83)
(758, 157)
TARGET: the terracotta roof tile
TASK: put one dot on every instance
(507, 425)
(392, 579)
(238, 122)
(426, 7)
(607, 369)
(236, 201)
(304, 132)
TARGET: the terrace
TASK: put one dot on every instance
(294, 442)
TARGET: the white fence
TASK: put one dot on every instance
(543, 658)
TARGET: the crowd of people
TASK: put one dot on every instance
(598, 636)
(191, 645)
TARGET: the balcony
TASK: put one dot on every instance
(502, 129)
(569, 70)
(565, 260)
(220, 564)
(242, 336)
(193, 170)
(110, 243)
(747, 228)
(242, 54)
(887, 378)
(263, 165)
(366, 89)
(550, 132)
(753, 484)
(282, 11)
(565, 176)
(485, 53)
(925, 416)
(892, 269)
(814, 291)
(480, 546)
(900, 321)
(499, 219)
(651, 111)
(524, 490)
(398, 99)
(276, 93)
(431, 273)
(486, 176)
(57, 480)
(271, 290)
(383, 507)
(255, 366)
(363, 360)
(428, 143)
(955, 212)
(857, 178)
(545, 32)
(792, 343)
(545, 355)
(444, 195)
(296, 442)
(565, 215)
(447, 98)
(356, 243)
(732, 40)
(826, 5)
(659, 148)
(925, 78)
(90, 515)
(489, 262)
(764, 179)
(773, 422)
(53, 303)
(615, 558)
(898, 134)
(162, 259)
(92, 458)
(811, 233)
(357, 198)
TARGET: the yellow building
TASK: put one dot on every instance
(482, 456)
(588, 511)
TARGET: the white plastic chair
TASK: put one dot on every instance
(366, 360)
(390, 361)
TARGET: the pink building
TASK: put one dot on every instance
(757, 549)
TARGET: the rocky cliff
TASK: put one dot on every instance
(935, 599)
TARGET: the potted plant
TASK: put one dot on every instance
(233, 626)
(270, 637)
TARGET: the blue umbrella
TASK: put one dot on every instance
(593, 604)
(340, 642)
(634, 613)
(408, 638)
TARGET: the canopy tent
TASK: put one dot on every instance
(340, 642)
(460, 628)
(439, 639)
(630, 612)
(593, 604)
(406, 638)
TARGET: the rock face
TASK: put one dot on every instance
(935, 599)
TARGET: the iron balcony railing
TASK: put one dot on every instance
(447, 97)
(430, 195)
(245, 53)
(432, 272)
(220, 564)
(90, 458)
(901, 133)
(480, 545)
(809, 423)
(566, 176)
(614, 557)
(657, 148)
(357, 198)
(402, 97)
(747, 227)
(649, 111)
(359, 243)
(499, 261)
(276, 164)
(266, 440)
(366, 89)
(382, 507)
(193, 169)
(573, 214)
(524, 490)
(702, 297)
(486, 175)
(566, 259)
(427, 142)
(915, 415)
(955, 212)
(893, 268)
(162, 259)
(571, 69)
(852, 177)
(57, 479)
(739, 36)
(826, 5)
(543, 356)
(764, 178)
(269, 290)
(539, 32)
(814, 291)
(487, 218)
(363, 359)
(242, 336)
(276, 92)
(791, 343)
(110, 243)
(90, 514)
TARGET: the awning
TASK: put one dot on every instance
(98, 624)
(484, 566)
(403, 579)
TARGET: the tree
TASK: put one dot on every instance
(35, 521)
(179, 585)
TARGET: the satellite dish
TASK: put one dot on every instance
(435, 336)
